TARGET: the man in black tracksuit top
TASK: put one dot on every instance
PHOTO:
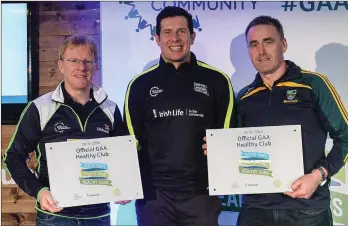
(76, 109)
(168, 108)
(284, 94)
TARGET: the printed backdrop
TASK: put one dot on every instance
(317, 35)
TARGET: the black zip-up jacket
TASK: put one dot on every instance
(168, 111)
(54, 117)
(304, 98)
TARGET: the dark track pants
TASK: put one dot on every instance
(177, 209)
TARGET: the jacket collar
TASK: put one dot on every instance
(166, 66)
(98, 93)
(292, 72)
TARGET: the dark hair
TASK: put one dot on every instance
(266, 20)
(173, 11)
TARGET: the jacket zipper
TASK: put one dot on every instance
(270, 98)
(83, 128)
(270, 94)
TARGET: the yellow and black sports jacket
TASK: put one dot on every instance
(308, 99)
(168, 111)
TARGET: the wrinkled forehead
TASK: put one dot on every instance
(260, 32)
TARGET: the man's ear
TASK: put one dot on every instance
(193, 37)
(96, 67)
(157, 39)
(285, 45)
(60, 66)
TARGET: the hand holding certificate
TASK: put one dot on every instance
(254, 160)
(94, 171)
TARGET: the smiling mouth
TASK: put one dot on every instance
(81, 76)
(264, 59)
(175, 48)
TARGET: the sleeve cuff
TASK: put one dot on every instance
(38, 194)
(325, 165)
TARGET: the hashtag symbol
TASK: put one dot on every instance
(289, 5)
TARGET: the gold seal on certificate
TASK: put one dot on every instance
(84, 172)
(254, 160)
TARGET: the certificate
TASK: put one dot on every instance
(93, 171)
(254, 160)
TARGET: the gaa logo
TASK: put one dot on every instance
(290, 94)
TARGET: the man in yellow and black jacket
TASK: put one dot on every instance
(301, 98)
(168, 108)
(284, 94)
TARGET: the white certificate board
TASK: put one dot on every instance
(254, 160)
(93, 171)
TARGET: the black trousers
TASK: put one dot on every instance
(279, 217)
(178, 209)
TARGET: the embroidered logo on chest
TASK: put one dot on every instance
(154, 91)
(60, 127)
(290, 96)
(201, 88)
(104, 129)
